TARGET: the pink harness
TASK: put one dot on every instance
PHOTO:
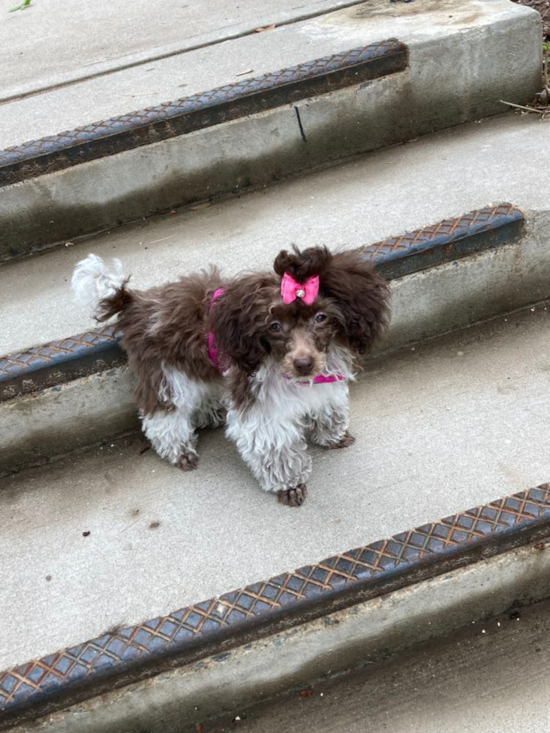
(290, 290)
(213, 354)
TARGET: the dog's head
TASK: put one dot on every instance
(314, 299)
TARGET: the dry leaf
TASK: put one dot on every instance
(267, 28)
(306, 693)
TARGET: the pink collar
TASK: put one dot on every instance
(222, 364)
(320, 379)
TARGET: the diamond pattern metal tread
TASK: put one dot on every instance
(201, 110)
(59, 361)
(127, 654)
(93, 351)
(475, 231)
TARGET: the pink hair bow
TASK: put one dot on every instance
(291, 289)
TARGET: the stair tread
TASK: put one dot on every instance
(359, 202)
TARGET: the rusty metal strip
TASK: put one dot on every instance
(94, 351)
(59, 362)
(451, 239)
(201, 110)
(127, 654)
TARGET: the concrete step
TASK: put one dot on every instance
(123, 537)
(93, 40)
(357, 79)
(452, 424)
(374, 197)
(59, 397)
(438, 685)
(73, 392)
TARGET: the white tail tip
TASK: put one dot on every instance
(92, 281)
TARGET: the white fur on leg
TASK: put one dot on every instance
(92, 281)
(273, 449)
(329, 424)
(270, 434)
(172, 433)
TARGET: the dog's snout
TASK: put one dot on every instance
(303, 365)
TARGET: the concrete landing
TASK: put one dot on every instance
(378, 195)
(451, 424)
(85, 40)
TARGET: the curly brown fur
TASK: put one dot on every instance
(166, 324)
(350, 281)
(241, 317)
(362, 296)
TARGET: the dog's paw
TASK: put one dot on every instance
(187, 461)
(293, 497)
(344, 442)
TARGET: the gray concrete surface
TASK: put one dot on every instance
(488, 677)
(452, 79)
(122, 91)
(454, 423)
(88, 39)
(64, 418)
(184, 699)
(378, 195)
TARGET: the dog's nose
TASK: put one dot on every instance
(303, 366)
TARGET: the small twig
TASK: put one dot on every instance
(521, 106)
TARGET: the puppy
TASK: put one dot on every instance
(270, 354)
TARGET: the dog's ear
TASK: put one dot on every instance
(362, 296)
(239, 320)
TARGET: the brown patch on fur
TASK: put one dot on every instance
(293, 497)
(241, 318)
(301, 265)
(344, 442)
(166, 324)
(238, 384)
(302, 348)
(188, 461)
(362, 296)
(118, 302)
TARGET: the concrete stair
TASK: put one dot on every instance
(100, 539)
(453, 423)
(345, 82)
(57, 404)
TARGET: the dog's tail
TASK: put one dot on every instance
(102, 290)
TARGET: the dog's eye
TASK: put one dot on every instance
(275, 327)
(320, 317)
